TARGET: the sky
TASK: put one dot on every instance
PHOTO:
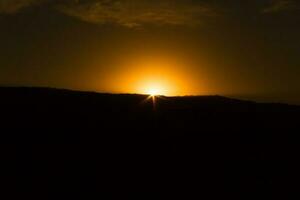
(247, 49)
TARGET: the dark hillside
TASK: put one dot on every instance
(60, 143)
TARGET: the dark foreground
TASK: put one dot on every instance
(58, 144)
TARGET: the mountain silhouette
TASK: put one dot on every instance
(84, 145)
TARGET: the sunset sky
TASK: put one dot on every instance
(242, 48)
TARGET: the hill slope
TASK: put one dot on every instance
(86, 145)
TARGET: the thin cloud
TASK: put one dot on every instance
(280, 6)
(128, 13)
(133, 13)
(14, 6)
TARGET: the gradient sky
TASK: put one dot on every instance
(246, 48)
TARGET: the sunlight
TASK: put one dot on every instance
(154, 76)
(154, 91)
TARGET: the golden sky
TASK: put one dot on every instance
(177, 47)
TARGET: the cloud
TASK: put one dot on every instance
(13, 6)
(128, 13)
(280, 6)
(134, 13)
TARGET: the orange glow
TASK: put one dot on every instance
(153, 76)
(154, 86)
(154, 90)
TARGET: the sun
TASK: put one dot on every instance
(153, 92)
(152, 74)
(155, 88)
